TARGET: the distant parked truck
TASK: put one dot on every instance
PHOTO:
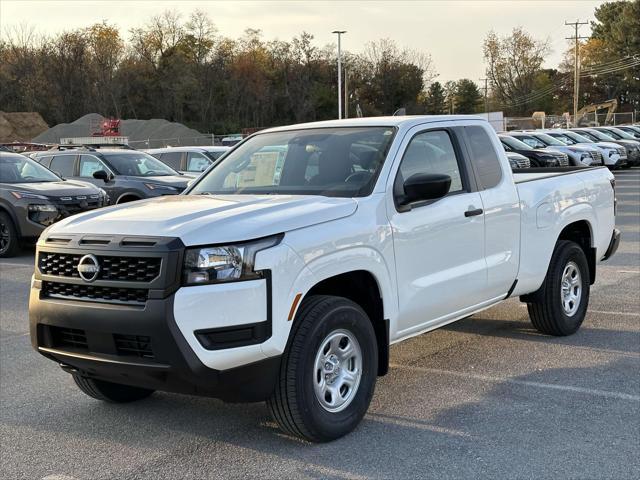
(94, 140)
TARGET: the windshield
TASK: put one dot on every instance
(563, 138)
(549, 140)
(621, 133)
(16, 168)
(599, 135)
(138, 164)
(578, 137)
(214, 155)
(533, 142)
(514, 143)
(334, 162)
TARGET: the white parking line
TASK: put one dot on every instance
(526, 383)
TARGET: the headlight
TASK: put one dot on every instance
(155, 186)
(20, 195)
(224, 263)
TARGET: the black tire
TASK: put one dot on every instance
(9, 246)
(110, 392)
(294, 404)
(546, 305)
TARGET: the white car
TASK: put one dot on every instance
(286, 272)
(190, 161)
(613, 155)
(578, 155)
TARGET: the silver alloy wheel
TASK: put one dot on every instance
(571, 289)
(337, 370)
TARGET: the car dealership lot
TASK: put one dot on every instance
(487, 396)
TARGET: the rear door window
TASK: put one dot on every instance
(90, 164)
(483, 156)
(64, 165)
(197, 162)
(172, 159)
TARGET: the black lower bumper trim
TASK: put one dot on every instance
(613, 244)
(173, 367)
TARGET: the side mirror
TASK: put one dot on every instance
(425, 186)
(102, 175)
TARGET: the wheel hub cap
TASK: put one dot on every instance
(337, 370)
(571, 289)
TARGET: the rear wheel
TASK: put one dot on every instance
(110, 392)
(328, 370)
(9, 246)
(560, 305)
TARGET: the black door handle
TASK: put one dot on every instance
(473, 213)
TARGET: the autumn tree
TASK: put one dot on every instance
(513, 63)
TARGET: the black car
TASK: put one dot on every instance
(32, 198)
(125, 174)
(537, 157)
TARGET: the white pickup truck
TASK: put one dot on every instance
(285, 272)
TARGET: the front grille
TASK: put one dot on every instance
(95, 293)
(523, 162)
(597, 157)
(563, 159)
(68, 338)
(124, 269)
(623, 152)
(133, 345)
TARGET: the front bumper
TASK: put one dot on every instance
(87, 338)
(147, 331)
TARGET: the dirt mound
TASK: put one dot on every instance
(20, 126)
(156, 132)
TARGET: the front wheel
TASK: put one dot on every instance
(560, 305)
(328, 370)
(9, 246)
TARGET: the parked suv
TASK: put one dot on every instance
(613, 155)
(597, 135)
(538, 157)
(632, 130)
(188, 160)
(578, 156)
(32, 198)
(125, 175)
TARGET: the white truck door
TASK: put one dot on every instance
(501, 208)
(439, 245)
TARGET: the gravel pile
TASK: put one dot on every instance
(20, 126)
(157, 131)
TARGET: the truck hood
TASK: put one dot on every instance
(63, 188)
(203, 219)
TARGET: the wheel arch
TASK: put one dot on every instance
(361, 287)
(581, 232)
(130, 196)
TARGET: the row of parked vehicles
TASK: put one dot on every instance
(46, 186)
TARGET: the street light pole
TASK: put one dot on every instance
(339, 33)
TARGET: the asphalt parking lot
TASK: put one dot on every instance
(487, 397)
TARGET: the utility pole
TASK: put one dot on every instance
(486, 92)
(576, 65)
(339, 33)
